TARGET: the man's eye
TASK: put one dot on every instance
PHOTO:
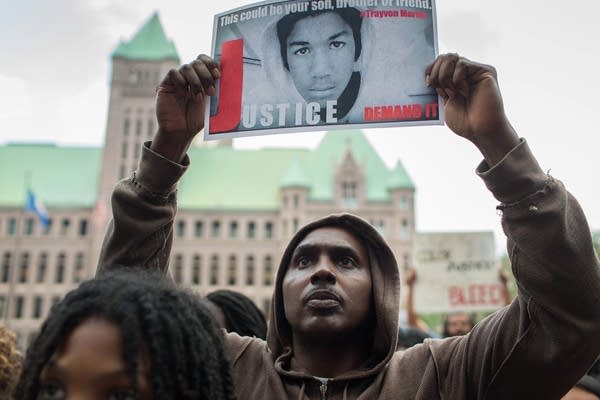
(51, 391)
(302, 51)
(303, 262)
(347, 262)
(336, 44)
(122, 395)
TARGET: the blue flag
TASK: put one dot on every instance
(35, 206)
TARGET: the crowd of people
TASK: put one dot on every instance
(333, 327)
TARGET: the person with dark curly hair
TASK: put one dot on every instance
(127, 335)
(236, 312)
(10, 361)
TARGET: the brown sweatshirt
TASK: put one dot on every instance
(535, 348)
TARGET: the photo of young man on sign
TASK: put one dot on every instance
(301, 65)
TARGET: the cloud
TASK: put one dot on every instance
(15, 101)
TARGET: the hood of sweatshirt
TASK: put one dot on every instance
(386, 298)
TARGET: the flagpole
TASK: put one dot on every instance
(17, 249)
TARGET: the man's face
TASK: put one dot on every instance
(320, 53)
(459, 324)
(327, 287)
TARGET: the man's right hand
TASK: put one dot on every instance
(180, 106)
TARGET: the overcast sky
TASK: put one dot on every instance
(55, 69)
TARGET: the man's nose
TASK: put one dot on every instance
(324, 273)
(320, 64)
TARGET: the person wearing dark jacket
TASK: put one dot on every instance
(334, 318)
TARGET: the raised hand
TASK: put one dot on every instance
(180, 106)
(473, 104)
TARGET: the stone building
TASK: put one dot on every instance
(237, 208)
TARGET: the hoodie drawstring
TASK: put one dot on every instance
(345, 397)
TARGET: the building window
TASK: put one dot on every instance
(126, 127)
(269, 230)
(79, 268)
(404, 203)
(83, 227)
(178, 269)
(216, 229)
(6, 267)
(268, 271)
(138, 127)
(180, 228)
(349, 196)
(2, 305)
(11, 227)
(250, 270)
(214, 270)
(295, 222)
(64, 226)
(41, 269)
(122, 172)
(18, 310)
(124, 150)
(232, 270)
(379, 226)
(196, 269)
(60, 268)
(136, 150)
(29, 226)
(404, 231)
(233, 229)
(251, 230)
(296, 200)
(406, 261)
(198, 228)
(24, 267)
(48, 227)
(38, 303)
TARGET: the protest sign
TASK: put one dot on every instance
(456, 272)
(290, 66)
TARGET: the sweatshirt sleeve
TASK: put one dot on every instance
(547, 338)
(143, 209)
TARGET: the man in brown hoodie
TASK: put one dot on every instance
(333, 322)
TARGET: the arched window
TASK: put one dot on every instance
(214, 270)
(41, 268)
(196, 269)
(60, 268)
(232, 270)
(178, 269)
(268, 271)
(250, 270)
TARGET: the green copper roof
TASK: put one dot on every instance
(221, 178)
(149, 44)
(228, 178)
(60, 177)
(329, 154)
(399, 178)
(295, 176)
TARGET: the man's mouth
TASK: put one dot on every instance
(322, 298)
(321, 91)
